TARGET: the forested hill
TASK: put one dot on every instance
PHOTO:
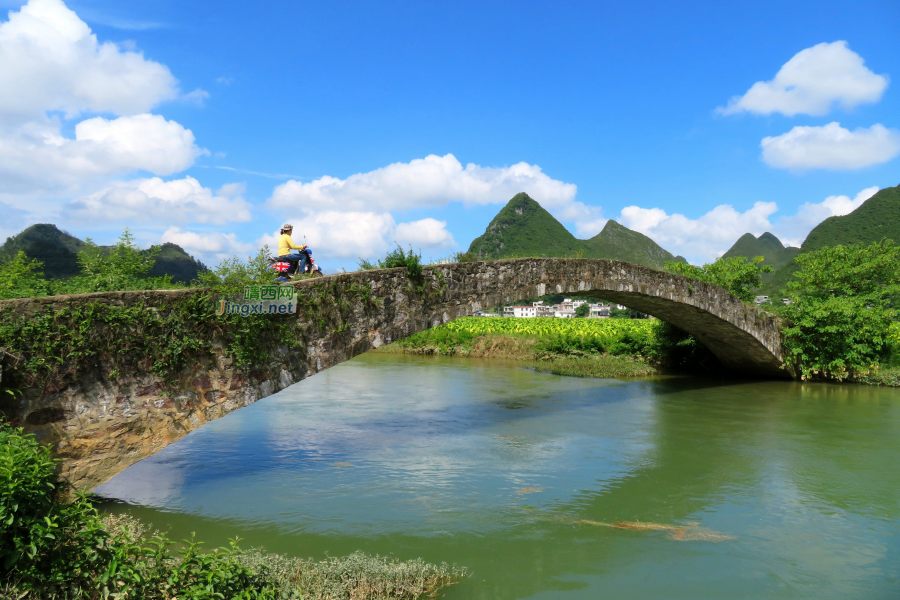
(767, 246)
(877, 218)
(59, 252)
(524, 228)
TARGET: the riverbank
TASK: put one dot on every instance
(577, 348)
(885, 377)
(527, 350)
(601, 348)
(358, 575)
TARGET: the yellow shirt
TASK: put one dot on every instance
(285, 244)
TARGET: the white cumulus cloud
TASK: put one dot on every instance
(362, 203)
(50, 60)
(812, 82)
(211, 247)
(352, 217)
(54, 69)
(831, 147)
(154, 200)
(709, 236)
(701, 239)
(37, 156)
(338, 235)
(430, 181)
(425, 233)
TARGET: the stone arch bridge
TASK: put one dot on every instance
(99, 426)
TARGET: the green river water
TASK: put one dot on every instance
(509, 473)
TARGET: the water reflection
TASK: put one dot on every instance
(493, 466)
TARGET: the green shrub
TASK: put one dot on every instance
(53, 546)
(625, 313)
(233, 274)
(122, 267)
(840, 321)
(602, 366)
(22, 278)
(145, 570)
(397, 257)
(464, 257)
(46, 543)
(616, 342)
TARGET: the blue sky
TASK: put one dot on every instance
(598, 110)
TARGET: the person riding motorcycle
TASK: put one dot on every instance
(286, 244)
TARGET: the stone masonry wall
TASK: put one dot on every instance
(99, 426)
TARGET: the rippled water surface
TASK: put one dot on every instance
(513, 474)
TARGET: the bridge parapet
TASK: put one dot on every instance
(100, 421)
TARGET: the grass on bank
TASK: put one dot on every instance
(601, 367)
(56, 547)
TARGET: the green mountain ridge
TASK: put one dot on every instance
(45, 242)
(877, 218)
(768, 246)
(524, 228)
(58, 250)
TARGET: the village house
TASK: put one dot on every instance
(564, 310)
(599, 311)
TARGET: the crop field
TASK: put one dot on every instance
(553, 336)
(549, 327)
(575, 347)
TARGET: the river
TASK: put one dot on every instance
(778, 490)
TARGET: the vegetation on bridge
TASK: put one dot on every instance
(737, 274)
(51, 347)
(56, 547)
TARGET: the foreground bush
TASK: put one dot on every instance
(841, 322)
(53, 547)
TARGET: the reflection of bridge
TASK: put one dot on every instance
(101, 426)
